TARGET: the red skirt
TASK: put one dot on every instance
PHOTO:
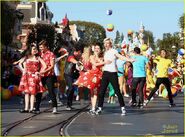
(90, 79)
(31, 84)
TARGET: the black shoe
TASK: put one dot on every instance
(23, 111)
(32, 111)
(36, 111)
(172, 105)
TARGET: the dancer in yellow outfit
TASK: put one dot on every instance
(162, 76)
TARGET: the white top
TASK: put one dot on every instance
(56, 70)
(56, 67)
(110, 55)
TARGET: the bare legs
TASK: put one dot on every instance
(29, 99)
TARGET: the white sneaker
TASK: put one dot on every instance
(160, 95)
(54, 110)
(145, 103)
(98, 111)
(123, 111)
(77, 98)
(126, 95)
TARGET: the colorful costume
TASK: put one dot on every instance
(31, 82)
(90, 79)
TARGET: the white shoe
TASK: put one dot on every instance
(126, 95)
(98, 111)
(60, 103)
(146, 103)
(54, 110)
(123, 111)
(77, 97)
(160, 95)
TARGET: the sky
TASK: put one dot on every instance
(158, 17)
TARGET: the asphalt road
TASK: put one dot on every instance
(156, 119)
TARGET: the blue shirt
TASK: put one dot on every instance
(139, 66)
(120, 66)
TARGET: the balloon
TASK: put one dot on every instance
(181, 52)
(144, 47)
(11, 87)
(130, 32)
(110, 27)
(16, 91)
(6, 94)
(109, 12)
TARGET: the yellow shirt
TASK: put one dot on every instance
(162, 66)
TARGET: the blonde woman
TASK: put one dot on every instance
(86, 65)
(92, 78)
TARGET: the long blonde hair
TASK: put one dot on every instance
(86, 54)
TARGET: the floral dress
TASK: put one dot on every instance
(31, 81)
(90, 79)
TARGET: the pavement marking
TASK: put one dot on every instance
(50, 116)
(122, 124)
(29, 127)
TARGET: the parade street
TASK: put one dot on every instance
(155, 119)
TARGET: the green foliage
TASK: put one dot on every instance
(181, 21)
(93, 32)
(42, 32)
(118, 38)
(122, 37)
(149, 39)
(7, 23)
(168, 41)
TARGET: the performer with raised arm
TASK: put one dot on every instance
(110, 75)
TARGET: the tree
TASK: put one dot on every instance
(149, 39)
(118, 38)
(168, 41)
(122, 37)
(181, 21)
(92, 32)
(42, 32)
(8, 18)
